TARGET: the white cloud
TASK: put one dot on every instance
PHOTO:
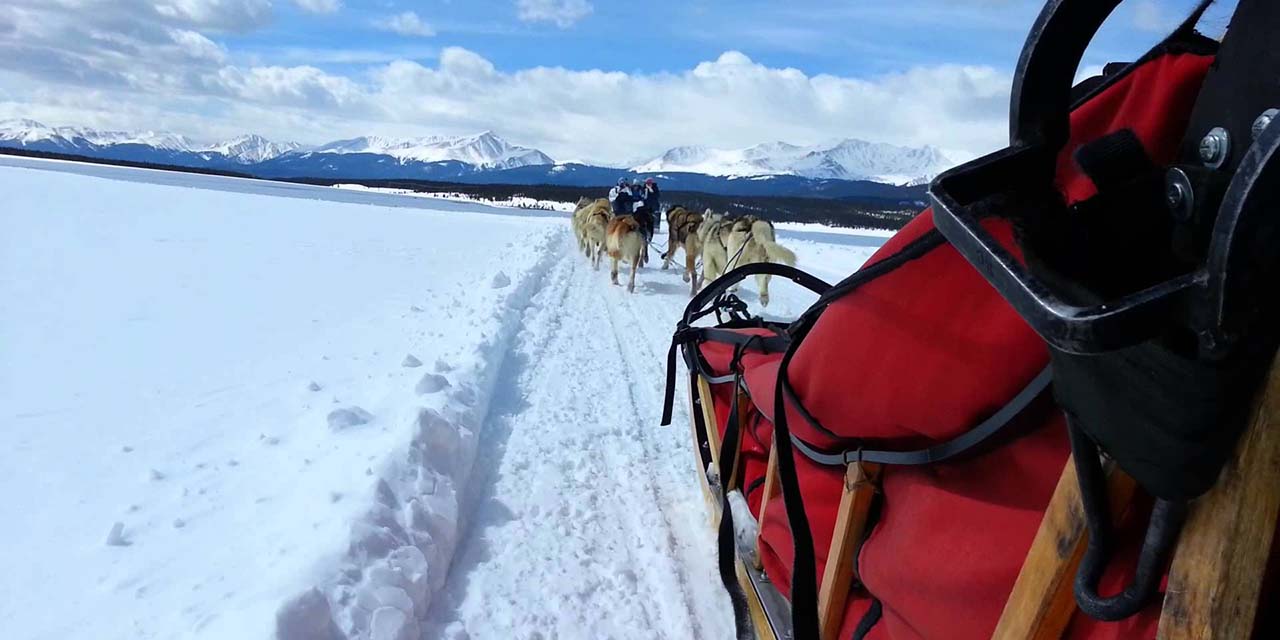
(1149, 16)
(562, 13)
(159, 71)
(319, 6)
(197, 46)
(406, 24)
(221, 15)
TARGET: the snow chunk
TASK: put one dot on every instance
(431, 383)
(116, 537)
(501, 281)
(156, 475)
(348, 417)
(306, 618)
(179, 523)
(415, 308)
(744, 524)
(314, 386)
(411, 361)
(389, 623)
(443, 366)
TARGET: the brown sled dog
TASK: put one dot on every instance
(625, 242)
(682, 230)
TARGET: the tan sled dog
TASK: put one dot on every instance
(595, 224)
(682, 231)
(577, 220)
(752, 240)
(625, 242)
(713, 239)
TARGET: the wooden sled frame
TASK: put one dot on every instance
(770, 611)
(1214, 582)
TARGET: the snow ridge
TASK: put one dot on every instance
(400, 551)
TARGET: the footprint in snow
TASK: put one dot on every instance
(411, 361)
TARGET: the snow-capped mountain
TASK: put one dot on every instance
(248, 149)
(252, 149)
(846, 160)
(485, 150)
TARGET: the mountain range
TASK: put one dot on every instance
(846, 169)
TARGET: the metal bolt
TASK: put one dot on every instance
(1215, 147)
(1175, 195)
(1263, 120)
(1179, 195)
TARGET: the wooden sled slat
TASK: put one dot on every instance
(1042, 601)
(1218, 568)
(770, 488)
(850, 531)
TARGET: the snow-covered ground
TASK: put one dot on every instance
(226, 375)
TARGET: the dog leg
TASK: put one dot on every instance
(631, 284)
(762, 281)
(613, 270)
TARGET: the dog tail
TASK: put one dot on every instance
(763, 233)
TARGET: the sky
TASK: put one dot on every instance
(582, 80)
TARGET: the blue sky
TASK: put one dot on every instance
(563, 75)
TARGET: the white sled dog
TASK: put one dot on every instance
(625, 242)
(752, 240)
(595, 224)
(713, 238)
(577, 220)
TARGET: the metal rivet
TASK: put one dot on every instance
(1260, 124)
(1215, 147)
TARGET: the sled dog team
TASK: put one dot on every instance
(721, 243)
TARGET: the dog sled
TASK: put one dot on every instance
(1047, 407)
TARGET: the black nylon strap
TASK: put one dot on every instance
(691, 335)
(725, 537)
(940, 452)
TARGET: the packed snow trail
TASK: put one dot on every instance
(593, 524)
(225, 409)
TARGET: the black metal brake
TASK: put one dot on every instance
(1158, 374)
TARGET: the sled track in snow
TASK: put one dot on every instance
(587, 519)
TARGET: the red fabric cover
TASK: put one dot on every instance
(921, 355)
(758, 437)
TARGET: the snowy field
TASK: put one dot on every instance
(234, 409)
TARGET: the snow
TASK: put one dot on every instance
(171, 351)
(845, 159)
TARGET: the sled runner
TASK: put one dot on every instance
(1014, 421)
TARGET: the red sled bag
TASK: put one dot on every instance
(919, 374)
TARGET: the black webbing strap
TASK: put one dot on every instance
(726, 536)
(777, 343)
(869, 620)
(940, 452)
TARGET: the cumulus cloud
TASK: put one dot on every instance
(319, 6)
(406, 24)
(562, 13)
(162, 70)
